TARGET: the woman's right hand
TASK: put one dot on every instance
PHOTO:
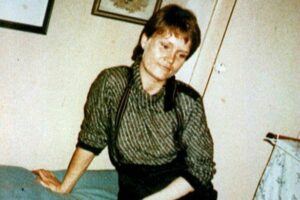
(48, 180)
(80, 161)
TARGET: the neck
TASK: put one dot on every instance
(150, 84)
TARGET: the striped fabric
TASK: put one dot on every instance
(146, 131)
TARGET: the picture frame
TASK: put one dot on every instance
(134, 11)
(26, 15)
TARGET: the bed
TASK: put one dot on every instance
(20, 183)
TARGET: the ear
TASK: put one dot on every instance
(144, 40)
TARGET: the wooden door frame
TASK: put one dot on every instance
(212, 43)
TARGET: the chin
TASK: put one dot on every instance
(162, 78)
(164, 75)
(160, 74)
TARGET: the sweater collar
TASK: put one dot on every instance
(143, 98)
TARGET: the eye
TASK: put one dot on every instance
(182, 56)
(164, 45)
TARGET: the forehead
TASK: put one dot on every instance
(167, 32)
(180, 39)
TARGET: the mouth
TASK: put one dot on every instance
(166, 68)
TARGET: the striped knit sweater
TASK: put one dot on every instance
(146, 130)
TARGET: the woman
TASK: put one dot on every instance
(155, 126)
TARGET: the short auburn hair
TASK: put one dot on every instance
(175, 19)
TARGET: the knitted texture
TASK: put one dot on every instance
(146, 130)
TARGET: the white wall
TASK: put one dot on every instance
(258, 93)
(45, 80)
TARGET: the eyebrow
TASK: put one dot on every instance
(168, 42)
(184, 51)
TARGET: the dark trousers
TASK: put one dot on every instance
(139, 181)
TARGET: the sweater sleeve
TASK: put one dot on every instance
(199, 148)
(93, 133)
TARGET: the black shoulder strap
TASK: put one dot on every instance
(114, 153)
(171, 88)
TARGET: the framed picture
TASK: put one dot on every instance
(26, 15)
(135, 11)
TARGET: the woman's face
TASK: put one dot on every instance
(164, 54)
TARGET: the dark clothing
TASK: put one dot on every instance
(146, 132)
(138, 181)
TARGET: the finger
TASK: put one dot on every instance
(39, 180)
(44, 184)
(49, 184)
(45, 173)
(49, 174)
(44, 176)
(39, 171)
(36, 171)
(48, 177)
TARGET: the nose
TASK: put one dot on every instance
(170, 57)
